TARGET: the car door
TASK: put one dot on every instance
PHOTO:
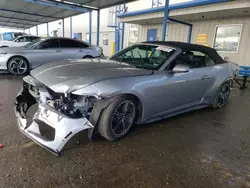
(70, 49)
(46, 52)
(184, 90)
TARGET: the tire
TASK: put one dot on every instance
(87, 56)
(116, 120)
(222, 96)
(18, 66)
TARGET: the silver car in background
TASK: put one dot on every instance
(20, 60)
(19, 41)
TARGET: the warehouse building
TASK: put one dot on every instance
(223, 25)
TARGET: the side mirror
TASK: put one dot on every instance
(181, 68)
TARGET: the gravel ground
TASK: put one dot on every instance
(205, 148)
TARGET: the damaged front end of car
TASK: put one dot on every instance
(58, 117)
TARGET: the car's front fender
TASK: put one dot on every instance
(138, 86)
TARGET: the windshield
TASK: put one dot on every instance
(145, 56)
(14, 39)
(34, 43)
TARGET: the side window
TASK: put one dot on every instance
(21, 39)
(52, 43)
(186, 58)
(83, 45)
(27, 39)
(209, 61)
(67, 43)
(202, 59)
(194, 59)
(32, 38)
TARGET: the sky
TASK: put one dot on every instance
(54, 25)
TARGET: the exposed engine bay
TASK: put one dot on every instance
(71, 105)
(64, 114)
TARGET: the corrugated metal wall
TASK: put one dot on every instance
(110, 35)
(178, 32)
(175, 32)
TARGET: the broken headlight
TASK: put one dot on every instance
(75, 106)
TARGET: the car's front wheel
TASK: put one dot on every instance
(117, 118)
(222, 96)
(18, 66)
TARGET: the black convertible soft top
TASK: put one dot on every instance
(191, 47)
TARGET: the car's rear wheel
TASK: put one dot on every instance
(117, 118)
(18, 66)
(87, 57)
(222, 96)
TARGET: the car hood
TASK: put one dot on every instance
(71, 75)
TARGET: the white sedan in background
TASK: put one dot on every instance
(19, 41)
(20, 60)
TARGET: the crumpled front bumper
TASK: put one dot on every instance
(62, 128)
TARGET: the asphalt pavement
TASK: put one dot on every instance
(205, 148)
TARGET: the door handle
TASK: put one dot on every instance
(206, 77)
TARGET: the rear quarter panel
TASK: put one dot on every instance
(91, 51)
(220, 73)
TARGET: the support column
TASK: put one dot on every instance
(117, 39)
(190, 27)
(90, 27)
(123, 29)
(117, 30)
(190, 33)
(63, 33)
(123, 32)
(165, 21)
(98, 28)
(47, 29)
(36, 30)
(29, 30)
(70, 27)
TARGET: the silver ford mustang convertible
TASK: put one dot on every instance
(140, 84)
